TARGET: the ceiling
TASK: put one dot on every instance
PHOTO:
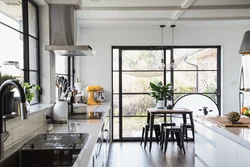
(150, 13)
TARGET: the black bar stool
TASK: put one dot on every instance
(185, 127)
(179, 137)
(145, 131)
(162, 136)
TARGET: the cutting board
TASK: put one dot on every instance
(223, 121)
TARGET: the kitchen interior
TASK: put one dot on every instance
(77, 83)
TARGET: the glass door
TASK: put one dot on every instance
(196, 70)
(133, 70)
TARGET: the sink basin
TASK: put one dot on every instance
(40, 158)
(13, 160)
(48, 150)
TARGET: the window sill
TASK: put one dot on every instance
(36, 108)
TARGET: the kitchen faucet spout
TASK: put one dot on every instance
(3, 87)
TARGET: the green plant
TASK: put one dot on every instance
(29, 90)
(160, 91)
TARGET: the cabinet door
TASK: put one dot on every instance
(199, 163)
(243, 156)
(205, 150)
(226, 152)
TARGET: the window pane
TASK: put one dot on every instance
(33, 53)
(134, 105)
(207, 81)
(186, 82)
(213, 97)
(195, 58)
(141, 59)
(115, 82)
(178, 96)
(61, 65)
(11, 14)
(115, 105)
(11, 59)
(132, 127)
(139, 81)
(32, 20)
(115, 59)
(34, 80)
(116, 128)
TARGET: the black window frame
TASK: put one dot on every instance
(26, 35)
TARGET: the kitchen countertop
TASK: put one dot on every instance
(91, 126)
(239, 135)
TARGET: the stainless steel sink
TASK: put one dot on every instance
(48, 150)
(12, 161)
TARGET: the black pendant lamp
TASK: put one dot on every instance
(172, 65)
(162, 65)
(245, 44)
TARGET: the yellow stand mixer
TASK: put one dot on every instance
(96, 95)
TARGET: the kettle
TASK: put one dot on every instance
(61, 109)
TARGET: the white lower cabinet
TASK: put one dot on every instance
(226, 152)
(215, 150)
(199, 162)
(243, 156)
(205, 150)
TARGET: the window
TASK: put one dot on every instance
(64, 74)
(197, 70)
(19, 41)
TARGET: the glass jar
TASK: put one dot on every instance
(11, 68)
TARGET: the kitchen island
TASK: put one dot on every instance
(94, 127)
(218, 146)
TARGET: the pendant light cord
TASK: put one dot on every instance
(162, 59)
(173, 65)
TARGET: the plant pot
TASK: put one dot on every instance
(160, 104)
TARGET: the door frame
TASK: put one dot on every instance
(170, 48)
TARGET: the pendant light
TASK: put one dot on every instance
(172, 65)
(162, 64)
(245, 44)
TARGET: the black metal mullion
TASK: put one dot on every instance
(73, 70)
(164, 70)
(219, 78)
(69, 69)
(38, 49)
(112, 95)
(120, 94)
(25, 40)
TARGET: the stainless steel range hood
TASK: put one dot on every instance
(71, 50)
(63, 32)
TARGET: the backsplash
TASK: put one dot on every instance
(19, 129)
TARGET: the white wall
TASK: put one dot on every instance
(47, 60)
(97, 70)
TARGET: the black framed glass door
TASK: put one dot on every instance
(135, 66)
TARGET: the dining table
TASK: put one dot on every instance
(175, 111)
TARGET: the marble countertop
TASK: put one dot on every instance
(91, 126)
(240, 135)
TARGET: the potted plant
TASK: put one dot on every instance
(161, 93)
(29, 90)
